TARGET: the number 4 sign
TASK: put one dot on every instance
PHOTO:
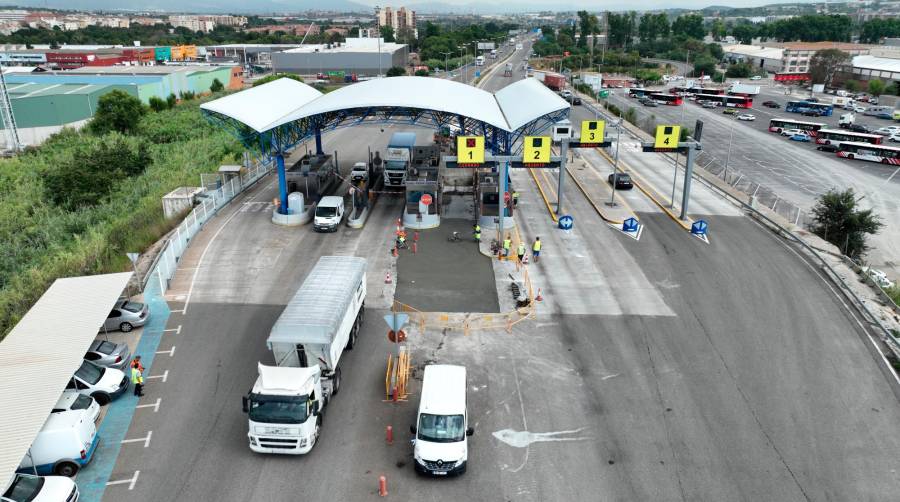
(470, 149)
(667, 136)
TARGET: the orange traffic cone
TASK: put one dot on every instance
(539, 298)
(387, 278)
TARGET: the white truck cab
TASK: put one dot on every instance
(285, 408)
(329, 213)
(64, 445)
(29, 488)
(441, 430)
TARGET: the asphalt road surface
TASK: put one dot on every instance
(663, 368)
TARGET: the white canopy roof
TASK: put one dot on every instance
(267, 106)
(42, 352)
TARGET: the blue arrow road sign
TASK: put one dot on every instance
(699, 227)
(566, 222)
(477, 74)
(396, 321)
(630, 225)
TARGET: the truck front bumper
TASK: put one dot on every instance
(281, 445)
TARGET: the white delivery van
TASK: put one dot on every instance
(441, 430)
(329, 213)
(71, 400)
(64, 445)
(28, 488)
(103, 384)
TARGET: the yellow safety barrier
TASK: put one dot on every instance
(396, 378)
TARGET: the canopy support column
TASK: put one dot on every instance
(282, 183)
(319, 150)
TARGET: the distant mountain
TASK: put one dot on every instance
(200, 6)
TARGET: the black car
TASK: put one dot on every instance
(827, 148)
(771, 104)
(650, 103)
(812, 100)
(859, 128)
(812, 113)
(623, 181)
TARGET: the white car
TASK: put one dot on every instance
(888, 131)
(858, 109)
(71, 400)
(894, 138)
(879, 277)
(746, 116)
(755, 77)
(103, 384)
(792, 132)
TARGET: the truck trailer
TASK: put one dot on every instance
(555, 81)
(323, 319)
(397, 158)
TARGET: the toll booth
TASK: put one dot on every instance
(420, 181)
(308, 180)
(488, 202)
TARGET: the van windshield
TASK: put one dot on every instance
(278, 409)
(441, 428)
(89, 373)
(24, 488)
(326, 212)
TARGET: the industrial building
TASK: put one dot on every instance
(363, 56)
(67, 58)
(767, 58)
(791, 57)
(246, 54)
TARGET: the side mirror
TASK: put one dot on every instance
(315, 408)
(245, 404)
(470, 431)
(412, 429)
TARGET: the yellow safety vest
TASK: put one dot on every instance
(507, 244)
(136, 376)
(521, 248)
(537, 246)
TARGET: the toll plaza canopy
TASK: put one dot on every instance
(42, 352)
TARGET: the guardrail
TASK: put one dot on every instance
(166, 262)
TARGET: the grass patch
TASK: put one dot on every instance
(42, 242)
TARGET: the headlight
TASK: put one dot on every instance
(302, 443)
(253, 441)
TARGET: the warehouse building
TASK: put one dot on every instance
(363, 56)
(767, 58)
(866, 68)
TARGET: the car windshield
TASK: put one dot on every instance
(133, 306)
(326, 212)
(623, 177)
(106, 347)
(441, 428)
(82, 402)
(278, 409)
(89, 373)
(24, 488)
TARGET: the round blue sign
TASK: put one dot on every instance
(566, 222)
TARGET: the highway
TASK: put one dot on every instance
(660, 369)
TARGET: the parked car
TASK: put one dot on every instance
(755, 77)
(126, 315)
(812, 113)
(359, 172)
(708, 104)
(859, 128)
(749, 117)
(28, 488)
(894, 138)
(791, 132)
(887, 131)
(71, 400)
(103, 384)
(879, 277)
(857, 108)
(771, 104)
(831, 148)
(812, 100)
(623, 181)
(800, 137)
(650, 103)
(730, 111)
(109, 354)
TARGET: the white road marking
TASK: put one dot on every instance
(164, 376)
(155, 405)
(524, 439)
(146, 440)
(202, 256)
(130, 482)
(607, 377)
(171, 351)
(892, 176)
(177, 330)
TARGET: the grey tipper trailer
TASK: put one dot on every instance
(323, 318)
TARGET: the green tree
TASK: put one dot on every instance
(744, 33)
(739, 70)
(387, 33)
(270, 78)
(172, 100)
(705, 65)
(117, 111)
(838, 219)
(851, 85)
(216, 85)
(421, 73)
(587, 27)
(824, 63)
(718, 30)
(396, 71)
(690, 25)
(157, 104)
(876, 87)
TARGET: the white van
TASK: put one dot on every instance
(28, 488)
(441, 446)
(103, 384)
(329, 213)
(71, 400)
(64, 445)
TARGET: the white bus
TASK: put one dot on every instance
(837, 137)
(479, 61)
(872, 153)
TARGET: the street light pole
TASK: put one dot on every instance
(728, 155)
(612, 199)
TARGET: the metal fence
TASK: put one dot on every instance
(216, 196)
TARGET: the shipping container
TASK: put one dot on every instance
(555, 81)
(163, 53)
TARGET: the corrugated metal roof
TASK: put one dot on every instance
(876, 63)
(317, 308)
(41, 354)
(34, 90)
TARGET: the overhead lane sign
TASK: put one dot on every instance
(593, 135)
(536, 151)
(470, 151)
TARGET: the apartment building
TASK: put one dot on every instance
(399, 19)
(796, 55)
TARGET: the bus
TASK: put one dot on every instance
(872, 153)
(681, 91)
(639, 93)
(734, 101)
(824, 109)
(813, 128)
(839, 136)
(666, 98)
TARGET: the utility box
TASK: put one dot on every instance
(180, 200)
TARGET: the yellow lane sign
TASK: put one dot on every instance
(667, 136)
(592, 131)
(470, 150)
(537, 150)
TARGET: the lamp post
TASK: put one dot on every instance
(612, 199)
(728, 155)
(447, 63)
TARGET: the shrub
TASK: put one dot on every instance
(117, 111)
(158, 104)
(216, 85)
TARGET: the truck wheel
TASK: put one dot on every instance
(336, 385)
(66, 468)
(102, 398)
(351, 340)
(362, 313)
(318, 430)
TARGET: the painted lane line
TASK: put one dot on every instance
(164, 376)
(177, 311)
(146, 440)
(202, 256)
(177, 330)
(892, 176)
(155, 405)
(130, 482)
(171, 351)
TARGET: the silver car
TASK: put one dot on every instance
(127, 315)
(109, 354)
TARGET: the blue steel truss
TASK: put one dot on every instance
(282, 138)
